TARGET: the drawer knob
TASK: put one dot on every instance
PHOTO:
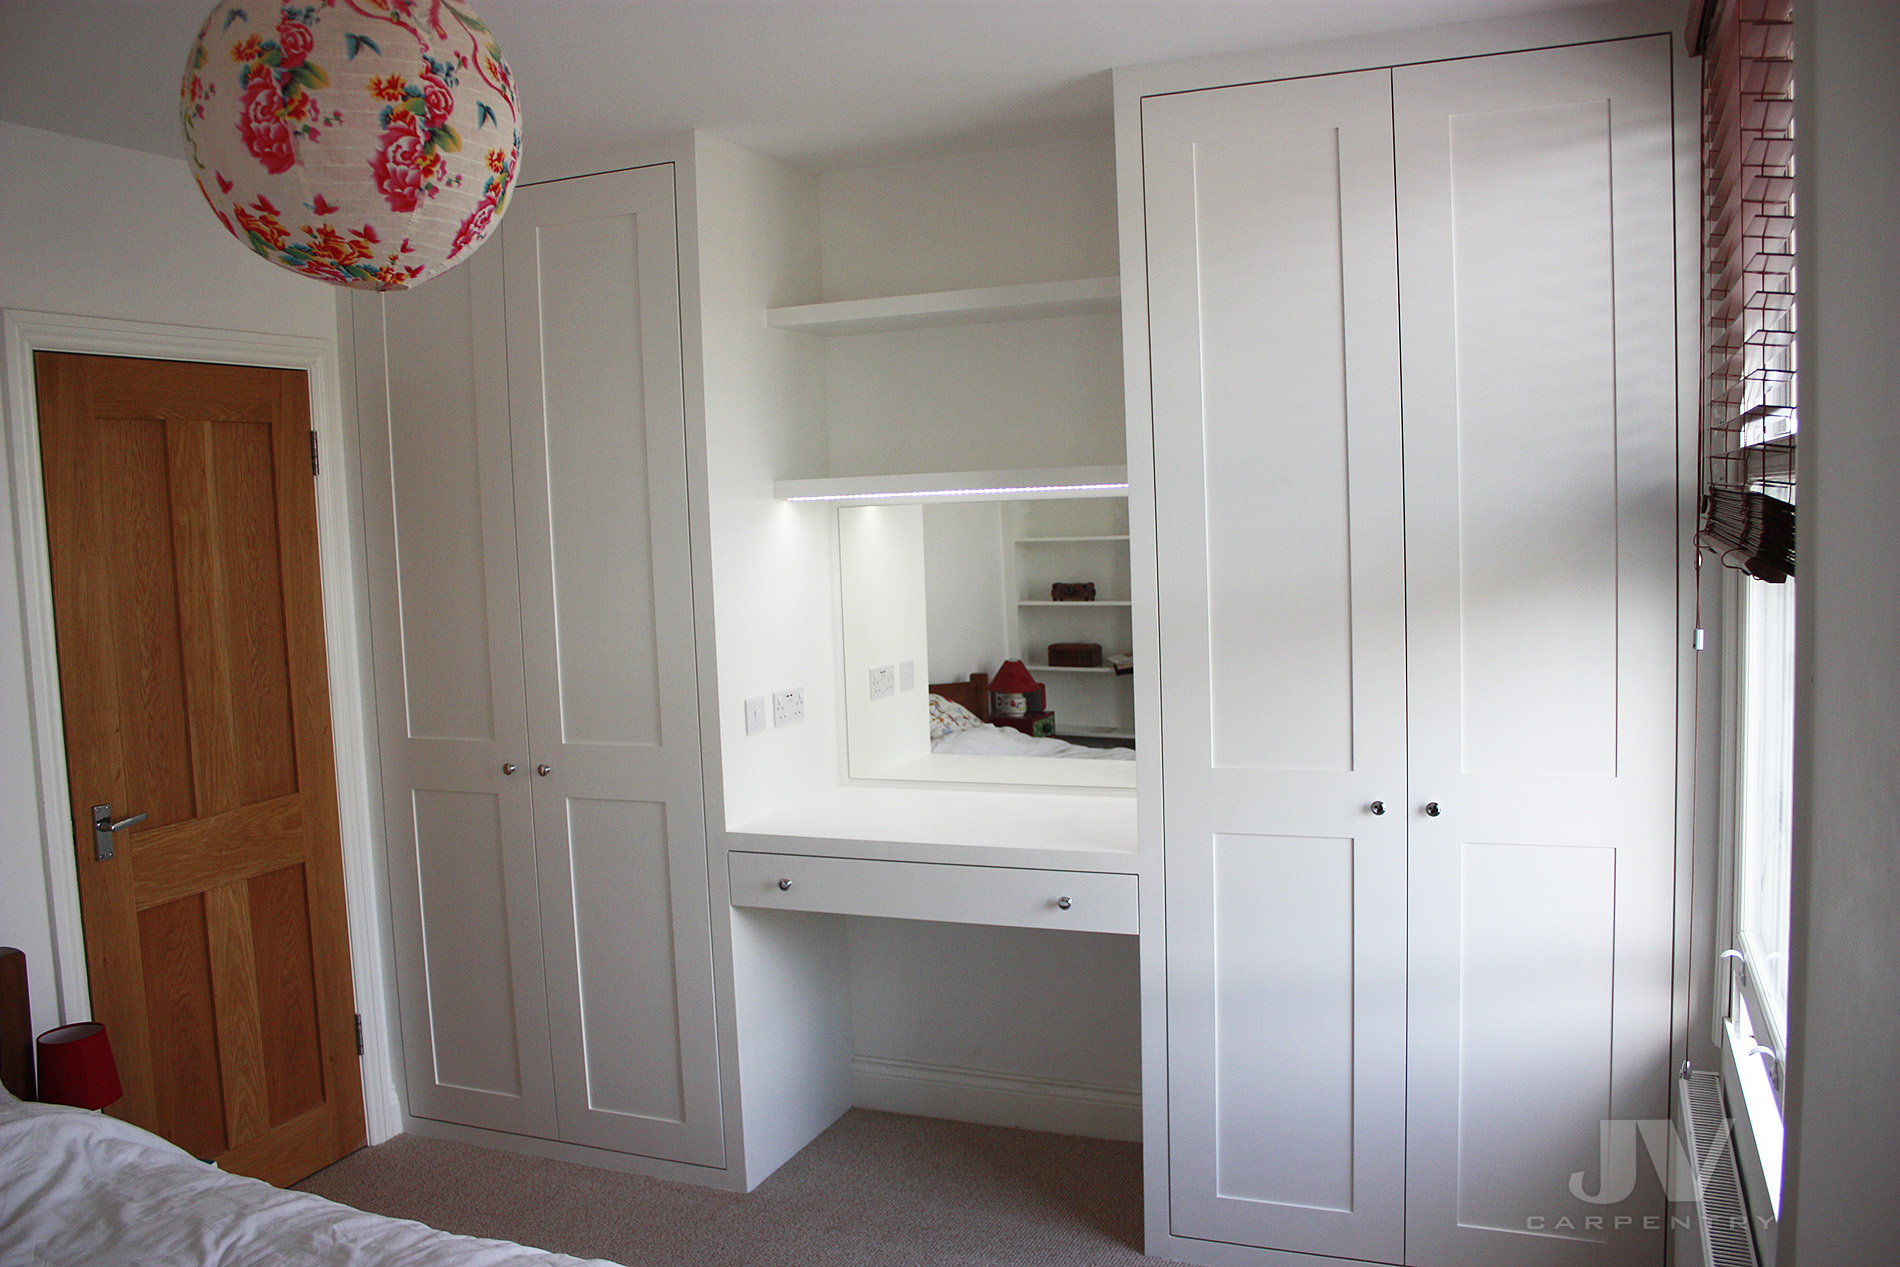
(784, 884)
(1377, 808)
(1432, 810)
(1063, 903)
(507, 767)
(544, 770)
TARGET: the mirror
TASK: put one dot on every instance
(934, 593)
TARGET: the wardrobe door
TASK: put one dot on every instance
(1537, 297)
(1272, 284)
(607, 608)
(439, 513)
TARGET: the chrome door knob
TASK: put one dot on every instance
(784, 885)
(1063, 903)
(508, 767)
(1431, 809)
(544, 770)
(1377, 808)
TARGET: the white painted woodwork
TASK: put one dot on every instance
(613, 701)
(438, 502)
(1537, 302)
(1396, 1038)
(1038, 484)
(1273, 300)
(1013, 897)
(1020, 302)
(531, 566)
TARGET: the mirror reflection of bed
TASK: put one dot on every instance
(936, 595)
(961, 725)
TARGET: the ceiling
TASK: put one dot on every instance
(821, 83)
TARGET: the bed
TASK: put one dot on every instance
(960, 727)
(82, 1187)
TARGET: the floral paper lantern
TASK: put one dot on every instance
(366, 143)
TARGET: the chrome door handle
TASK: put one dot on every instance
(544, 770)
(102, 828)
(1377, 808)
(1432, 810)
(507, 767)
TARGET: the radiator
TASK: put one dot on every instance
(1721, 1228)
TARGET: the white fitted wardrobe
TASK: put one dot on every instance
(1411, 352)
(525, 498)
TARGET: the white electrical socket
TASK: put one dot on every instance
(755, 714)
(788, 706)
(883, 681)
(906, 675)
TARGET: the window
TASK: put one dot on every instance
(1748, 472)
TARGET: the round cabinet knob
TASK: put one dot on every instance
(1063, 903)
(544, 770)
(784, 884)
(508, 767)
(1432, 810)
(1377, 808)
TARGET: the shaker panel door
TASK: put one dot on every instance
(438, 503)
(1272, 290)
(596, 382)
(1538, 315)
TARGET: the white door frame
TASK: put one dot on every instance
(25, 332)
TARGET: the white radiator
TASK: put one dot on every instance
(1720, 1231)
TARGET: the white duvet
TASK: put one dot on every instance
(82, 1188)
(1006, 741)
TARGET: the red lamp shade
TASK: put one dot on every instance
(76, 1066)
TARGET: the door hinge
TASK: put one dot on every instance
(313, 452)
(359, 1033)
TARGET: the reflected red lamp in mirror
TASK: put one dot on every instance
(76, 1066)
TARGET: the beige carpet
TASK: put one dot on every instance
(875, 1189)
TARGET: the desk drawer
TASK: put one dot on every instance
(1014, 896)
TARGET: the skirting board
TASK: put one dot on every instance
(1062, 1107)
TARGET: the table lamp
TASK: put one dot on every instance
(76, 1066)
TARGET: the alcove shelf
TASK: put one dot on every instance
(951, 307)
(1042, 484)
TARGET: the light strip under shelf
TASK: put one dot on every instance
(1082, 481)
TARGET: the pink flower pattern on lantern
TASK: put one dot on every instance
(267, 128)
(402, 162)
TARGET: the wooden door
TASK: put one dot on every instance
(438, 505)
(1542, 503)
(596, 389)
(1272, 282)
(181, 526)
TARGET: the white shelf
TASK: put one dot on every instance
(1076, 668)
(1093, 602)
(951, 307)
(1045, 541)
(1041, 484)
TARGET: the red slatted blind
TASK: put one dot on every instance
(1749, 274)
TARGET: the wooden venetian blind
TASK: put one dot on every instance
(1749, 314)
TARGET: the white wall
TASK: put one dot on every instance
(94, 230)
(965, 595)
(1843, 1159)
(773, 561)
(975, 397)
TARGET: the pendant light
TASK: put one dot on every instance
(365, 143)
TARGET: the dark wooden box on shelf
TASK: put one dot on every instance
(1073, 591)
(1075, 655)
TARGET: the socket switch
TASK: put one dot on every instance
(788, 706)
(883, 681)
(755, 714)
